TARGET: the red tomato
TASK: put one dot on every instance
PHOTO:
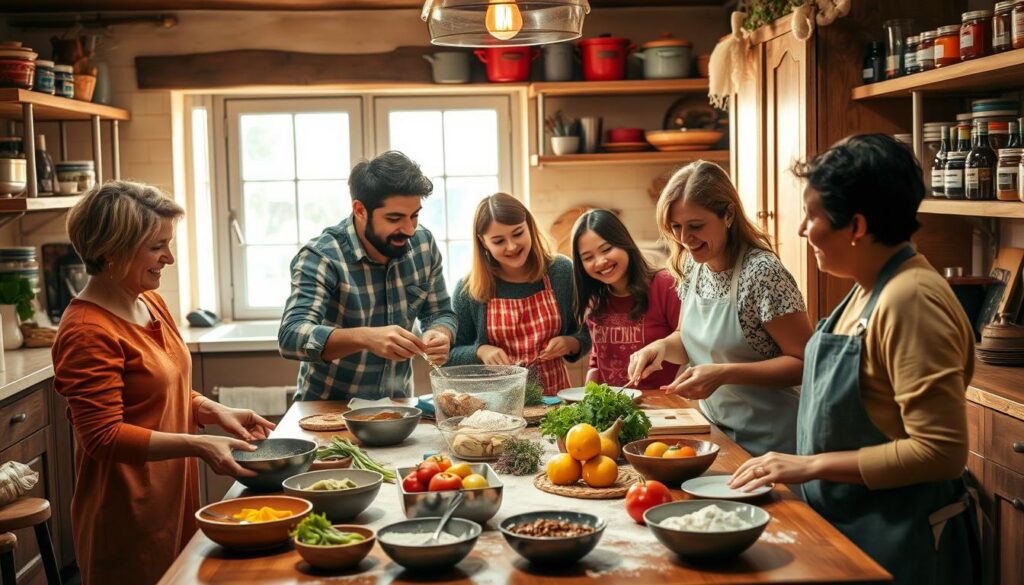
(442, 461)
(644, 495)
(427, 470)
(445, 481)
(411, 483)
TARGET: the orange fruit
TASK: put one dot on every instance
(679, 452)
(610, 447)
(600, 471)
(563, 469)
(583, 442)
(655, 449)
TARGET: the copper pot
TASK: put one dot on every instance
(1002, 334)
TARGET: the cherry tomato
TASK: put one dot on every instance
(644, 495)
(445, 481)
(427, 470)
(412, 483)
(442, 461)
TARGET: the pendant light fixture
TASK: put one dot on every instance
(503, 23)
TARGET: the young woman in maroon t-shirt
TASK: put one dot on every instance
(625, 303)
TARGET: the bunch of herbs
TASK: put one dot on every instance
(519, 457)
(600, 407)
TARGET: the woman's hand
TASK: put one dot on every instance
(772, 467)
(438, 344)
(697, 382)
(242, 423)
(216, 452)
(646, 361)
(559, 347)
(493, 356)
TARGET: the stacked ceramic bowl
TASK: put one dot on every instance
(17, 65)
(995, 110)
(20, 261)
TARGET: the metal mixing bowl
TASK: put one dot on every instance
(382, 433)
(438, 556)
(275, 460)
(479, 505)
(564, 549)
(700, 545)
(337, 504)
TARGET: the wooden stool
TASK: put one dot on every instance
(23, 513)
(8, 542)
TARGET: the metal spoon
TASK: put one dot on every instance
(444, 519)
(437, 369)
(223, 517)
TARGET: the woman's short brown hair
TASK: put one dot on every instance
(113, 220)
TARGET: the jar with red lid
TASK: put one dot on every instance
(1002, 25)
(975, 34)
(1017, 24)
(947, 45)
(926, 50)
(998, 135)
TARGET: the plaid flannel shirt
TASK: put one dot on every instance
(335, 284)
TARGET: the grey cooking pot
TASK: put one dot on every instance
(558, 61)
(449, 66)
(666, 58)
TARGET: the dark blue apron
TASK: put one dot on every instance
(920, 533)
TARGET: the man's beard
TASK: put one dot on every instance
(384, 245)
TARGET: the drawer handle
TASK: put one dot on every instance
(1019, 504)
(19, 418)
(1018, 447)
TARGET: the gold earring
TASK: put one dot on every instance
(853, 242)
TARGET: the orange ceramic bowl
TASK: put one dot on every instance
(671, 472)
(341, 556)
(257, 535)
(683, 139)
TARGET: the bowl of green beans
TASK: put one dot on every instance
(332, 547)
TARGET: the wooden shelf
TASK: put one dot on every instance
(1012, 209)
(22, 204)
(49, 107)
(624, 87)
(633, 158)
(1002, 71)
(997, 387)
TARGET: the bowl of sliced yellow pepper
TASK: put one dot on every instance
(252, 523)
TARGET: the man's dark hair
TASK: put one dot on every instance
(873, 175)
(390, 173)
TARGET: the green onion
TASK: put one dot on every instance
(341, 447)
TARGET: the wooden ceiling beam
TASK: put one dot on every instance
(47, 6)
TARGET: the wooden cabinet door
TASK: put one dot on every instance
(788, 79)
(1006, 489)
(746, 139)
(36, 451)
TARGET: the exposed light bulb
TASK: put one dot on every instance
(503, 20)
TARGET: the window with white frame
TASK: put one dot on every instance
(287, 164)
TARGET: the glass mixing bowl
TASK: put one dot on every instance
(463, 390)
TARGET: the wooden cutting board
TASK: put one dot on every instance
(672, 421)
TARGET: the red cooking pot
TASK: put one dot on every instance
(506, 64)
(604, 58)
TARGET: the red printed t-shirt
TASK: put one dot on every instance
(616, 336)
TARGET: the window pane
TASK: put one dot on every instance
(418, 135)
(471, 142)
(267, 151)
(457, 262)
(432, 214)
(463, 195)
(267, 275)
(321, 204)
(322, 142)
(269, 212)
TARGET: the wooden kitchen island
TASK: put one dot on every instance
(798, 546)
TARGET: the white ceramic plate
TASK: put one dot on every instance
(576, 394)
(717, 487)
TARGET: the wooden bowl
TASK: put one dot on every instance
(684, 139)
(341, 556)
(255, 536)
(671, 472)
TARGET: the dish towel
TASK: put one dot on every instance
(264, 400)
(16, 479)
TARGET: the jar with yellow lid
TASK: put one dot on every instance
(1007, 174)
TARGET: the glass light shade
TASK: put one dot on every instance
(503, 23)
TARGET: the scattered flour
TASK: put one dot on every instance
(707, 519)
(780, 537)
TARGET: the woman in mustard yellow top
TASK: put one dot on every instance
(882, 428)
(126, 373)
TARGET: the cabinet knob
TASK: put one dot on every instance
(19, 418)
(765, 215)
(1019, 504)
(1018, 447)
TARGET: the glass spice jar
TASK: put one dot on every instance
(1007, 174)
(910, 64)
(998, 135)
(1002, 24)
(947, 45)
(975, 34)
(64, 81)
(926, 51)
(953, 177)
(1017, 24)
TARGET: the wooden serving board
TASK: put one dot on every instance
(673, 421)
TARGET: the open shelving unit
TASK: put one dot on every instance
(1007, 209)
(630, 158)
(1001, 71)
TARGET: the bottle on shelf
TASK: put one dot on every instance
(953, 177)
(939, 165)
(963, 140)
(45, 176)
(1014, 140)
(979, 167)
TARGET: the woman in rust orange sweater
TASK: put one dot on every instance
(120, 362)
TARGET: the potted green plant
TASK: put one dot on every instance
(16, 296)
(565, 134)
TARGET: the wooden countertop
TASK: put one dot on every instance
(798, 545)
(23, 368)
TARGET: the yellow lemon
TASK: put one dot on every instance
(563, 469)
(655, 449)
(600, 471)
(460, 469)
(610, 448)
(583, 442)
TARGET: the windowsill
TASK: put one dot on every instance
(231, 337)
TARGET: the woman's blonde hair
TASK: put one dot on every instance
(707, 185)
(506, 210)
(114, 220)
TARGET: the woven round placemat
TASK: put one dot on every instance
(322, 422)
(534, 414)
(626, 478)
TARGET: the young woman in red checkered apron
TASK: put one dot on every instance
(515, 305)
